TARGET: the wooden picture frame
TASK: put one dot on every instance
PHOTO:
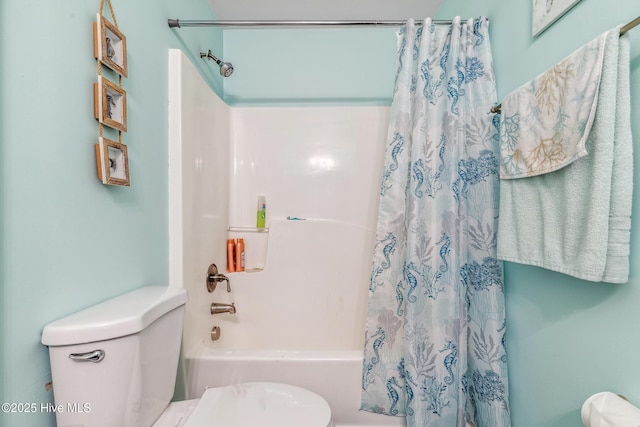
(112, 162)
(110, 104)
(110, 45)
(546, 12)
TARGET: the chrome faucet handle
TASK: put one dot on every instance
(213, 277)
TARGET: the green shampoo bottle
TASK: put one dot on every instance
(262, 212)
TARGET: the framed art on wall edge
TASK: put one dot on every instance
(110, 104)
(110, 45)
(112, 162)
(546, 12)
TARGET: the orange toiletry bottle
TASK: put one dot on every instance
(231, 259)
(239, 255)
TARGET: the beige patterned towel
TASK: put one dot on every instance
(545, 123)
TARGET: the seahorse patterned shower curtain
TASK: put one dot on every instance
(434, 343)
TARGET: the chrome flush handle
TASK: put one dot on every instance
(94, 356)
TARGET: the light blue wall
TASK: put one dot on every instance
(67, 240)
(3, 311)
(310, 66)
(567, 338)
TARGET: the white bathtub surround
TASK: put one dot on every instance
(308, 297)
(306, 280)
(309, 162)
(198, 191)
(321, 164)
(434, 349)
(308, 290)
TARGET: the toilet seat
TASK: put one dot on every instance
(258, 405)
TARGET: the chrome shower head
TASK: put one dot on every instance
(226, 69)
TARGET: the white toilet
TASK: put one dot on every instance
(115, 364)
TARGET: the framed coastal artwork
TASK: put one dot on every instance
(112, 162)
(546, 12)
(110, 104)
(110, 45)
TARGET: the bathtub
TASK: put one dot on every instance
(335, 375)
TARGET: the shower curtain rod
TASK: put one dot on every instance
(179, 23)
(623, 30)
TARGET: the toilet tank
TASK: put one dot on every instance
(115, 363)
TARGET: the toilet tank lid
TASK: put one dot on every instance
(120, 316)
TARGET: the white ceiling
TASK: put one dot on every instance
(324, 9)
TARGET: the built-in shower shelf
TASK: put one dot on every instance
(249, 230)
(256, 241)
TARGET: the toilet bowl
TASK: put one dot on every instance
(115, 364)
(250, 404)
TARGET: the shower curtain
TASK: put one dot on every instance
(434, 342)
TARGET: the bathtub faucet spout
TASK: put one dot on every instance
(218, 308)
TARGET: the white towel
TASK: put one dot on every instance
(577, 219)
